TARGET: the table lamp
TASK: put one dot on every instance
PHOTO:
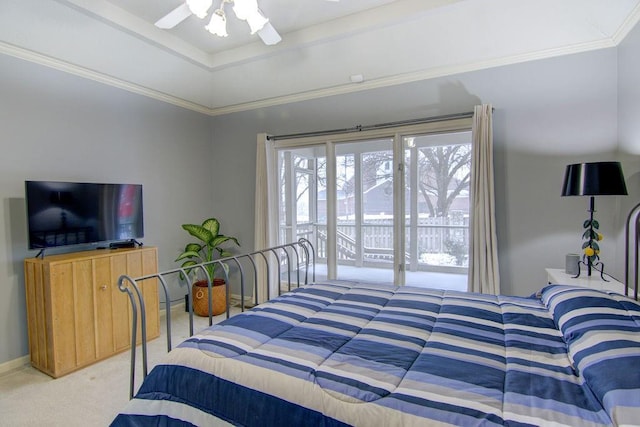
(593, 179)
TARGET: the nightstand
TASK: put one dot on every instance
(558, 276)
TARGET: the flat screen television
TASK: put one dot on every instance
(76, 213)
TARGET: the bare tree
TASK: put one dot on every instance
(444, 174)
(373, 168)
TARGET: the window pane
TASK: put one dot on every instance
(302, 200)
(364, 238)
(437, 216)
(303, 195)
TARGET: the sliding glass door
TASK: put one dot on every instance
(365, 210)
(302, 203)
(381, 209)
(437, 172)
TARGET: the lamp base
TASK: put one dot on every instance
(594, 267)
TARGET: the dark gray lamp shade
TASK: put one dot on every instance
(594, 179)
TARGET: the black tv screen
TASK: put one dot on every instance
(73, 213)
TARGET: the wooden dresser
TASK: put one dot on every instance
(76, 314)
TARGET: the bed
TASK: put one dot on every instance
(336, 353)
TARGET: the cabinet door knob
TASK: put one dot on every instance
(103, 287)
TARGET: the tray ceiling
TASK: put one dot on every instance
(328, 47)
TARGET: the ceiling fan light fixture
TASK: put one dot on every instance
(256, 22)
(269, 35)
(199, 7)
(244, 9)
(218, 24)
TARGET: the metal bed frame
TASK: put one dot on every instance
(282, 256)
(632, 230)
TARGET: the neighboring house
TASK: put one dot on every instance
(378, 201)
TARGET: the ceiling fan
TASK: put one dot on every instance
(246, 10)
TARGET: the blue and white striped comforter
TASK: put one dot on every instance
(332, 354)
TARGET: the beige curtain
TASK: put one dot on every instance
(266, 211)
(484, 275)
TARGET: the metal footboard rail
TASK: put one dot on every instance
(632, 251)
(299, 256)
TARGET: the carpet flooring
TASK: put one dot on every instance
(92, 396)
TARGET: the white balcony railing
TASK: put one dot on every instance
(441, 246)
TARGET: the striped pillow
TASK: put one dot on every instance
(602, 333)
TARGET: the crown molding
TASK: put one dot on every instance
(18, 52)
(629, 23)
(384, 15)
(415, 76)
(67, 67)
(125, 21)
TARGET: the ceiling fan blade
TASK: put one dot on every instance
(174, 17)
(269, 35)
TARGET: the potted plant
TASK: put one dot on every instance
(208, 248)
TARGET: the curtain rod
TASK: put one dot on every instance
(360, 128)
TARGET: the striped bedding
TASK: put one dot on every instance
(334, 354)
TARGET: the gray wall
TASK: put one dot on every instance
(628, 128)
(55, 126)
(549, 113)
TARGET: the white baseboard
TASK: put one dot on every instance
(14, 364)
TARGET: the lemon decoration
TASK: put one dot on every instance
(590, 247)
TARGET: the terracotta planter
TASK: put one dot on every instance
(200, 297)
